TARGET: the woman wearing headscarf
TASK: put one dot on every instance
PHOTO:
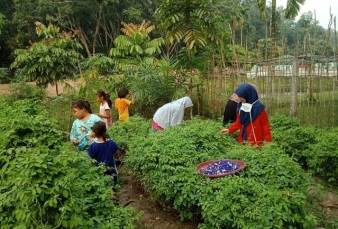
(171, 114)
(252, 120)
(230, 110)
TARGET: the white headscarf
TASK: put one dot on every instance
(171, 114)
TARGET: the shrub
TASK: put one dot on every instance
(45, 183)
(292, 138)
(269, 193)
(322, 157)
(22, 90)
(127, 134)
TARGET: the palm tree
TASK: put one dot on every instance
(191, 22)
(136, 45)
(291, 11)
(179, 20)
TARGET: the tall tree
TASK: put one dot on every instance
(50, 60)
(191, 22)
(97, 22)
(291, 11)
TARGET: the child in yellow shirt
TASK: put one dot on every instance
(122, 104)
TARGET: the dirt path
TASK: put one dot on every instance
(50, 90)
(4, 89)
(154, 216)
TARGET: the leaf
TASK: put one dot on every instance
(65, 193)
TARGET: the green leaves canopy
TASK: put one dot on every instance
(136, 45)
(188, 21)
(291, 11)
(49, 60)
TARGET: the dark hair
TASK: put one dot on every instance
(105, 96)
(123, 92)
(100, 130)
(82, 104)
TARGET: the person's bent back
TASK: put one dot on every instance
(171, 114)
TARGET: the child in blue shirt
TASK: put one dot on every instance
(103, 149)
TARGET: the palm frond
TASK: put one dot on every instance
(292, 8)
(261, 4)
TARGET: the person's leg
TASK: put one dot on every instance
(113, 188)
(110, 172)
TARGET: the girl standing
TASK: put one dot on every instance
(105, 104)
(252, 119)
(122, 104)
(103, 150)
(80, 134)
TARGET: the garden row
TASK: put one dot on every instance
(271, 192)
(45, 183)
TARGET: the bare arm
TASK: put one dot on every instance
(132, 97)
(107, 115)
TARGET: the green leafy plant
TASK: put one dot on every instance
(96, 65)
(269, 193)
(292, 138)
(20, 90)
(45, 183)
(136, 46)
(51, 60)
(4, 74)
(322, 158)
(152, 85)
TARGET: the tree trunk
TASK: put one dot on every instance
(83, 40)
(294, 86)
(242, 36)
(309, 91)
(233, 41)
(97, 28)
(56, 88)
(77, 30)
(273, 47)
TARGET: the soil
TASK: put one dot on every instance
(4, 89)
(50, 90)
(154, 215)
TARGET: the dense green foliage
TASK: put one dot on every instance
(269, 193)
(136, 46)
(43, 186)
(313, 148)
(45, 183)
(50, 60)
(322, 157)
(292, 138)
(185, 24)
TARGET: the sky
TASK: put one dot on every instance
(322, 8)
